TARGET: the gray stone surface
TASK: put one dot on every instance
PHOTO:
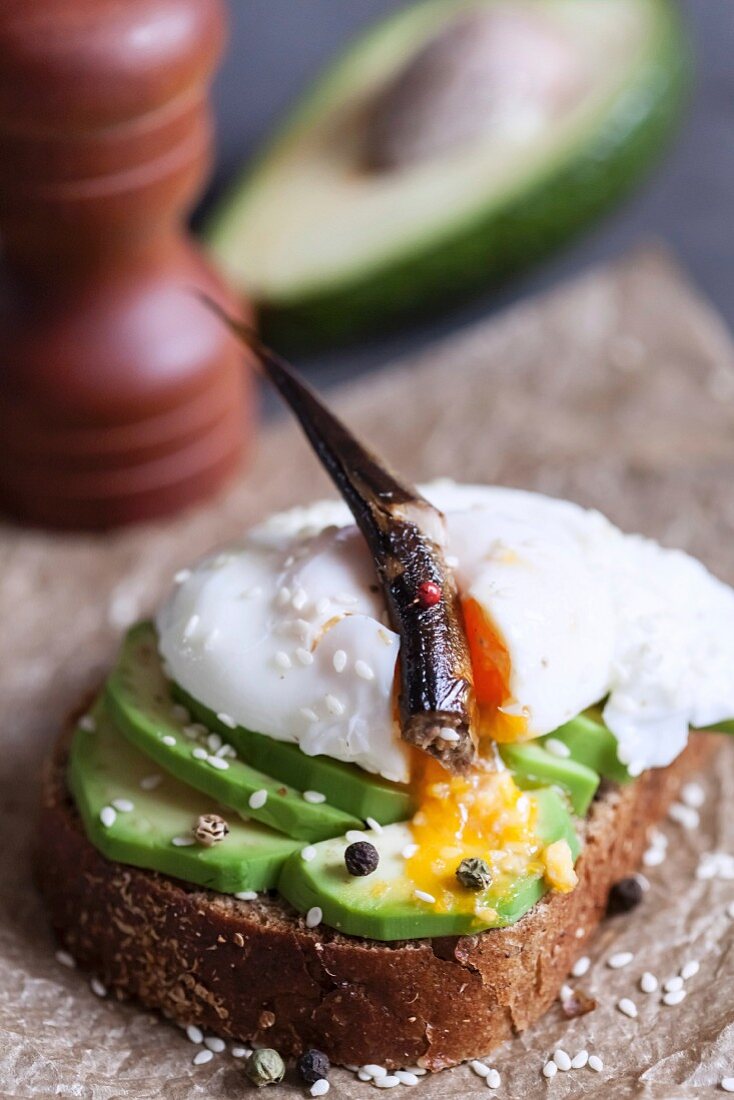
(278, 45)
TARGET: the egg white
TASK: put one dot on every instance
(286, 633)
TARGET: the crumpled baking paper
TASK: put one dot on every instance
(616, 391)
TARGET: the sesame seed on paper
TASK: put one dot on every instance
(692, 794)
(581, 966)
(620, 959)
(648, 982)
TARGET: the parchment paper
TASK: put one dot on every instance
(617, 391)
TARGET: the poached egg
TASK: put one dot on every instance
(287, 633)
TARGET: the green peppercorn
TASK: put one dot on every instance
(265, 1067)
(474, 874)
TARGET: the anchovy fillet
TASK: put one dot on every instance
(406, 536)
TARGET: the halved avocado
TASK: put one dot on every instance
(383, 906)
(329, 248)
(137, 695)
(104, 768)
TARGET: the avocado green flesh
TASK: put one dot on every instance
(138, 697)
(593, 745)
(138, 710)
(531, 764)
(382, 906)
(103, 766)
(345, 786)
(315, 242)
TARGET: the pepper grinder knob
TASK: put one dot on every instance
(121, 396)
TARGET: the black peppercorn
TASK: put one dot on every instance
(361, 858)
(313, 1066)
(474, 874)
(624, 895)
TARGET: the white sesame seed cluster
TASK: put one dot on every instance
(383, 1078)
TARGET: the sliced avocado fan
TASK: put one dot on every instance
(330, 247)
(153, 815)
(144, 702)
(138, 697)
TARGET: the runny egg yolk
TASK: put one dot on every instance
(491, 667)
(483, 814)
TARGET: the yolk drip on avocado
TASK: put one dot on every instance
(482, 814)
(491, 667)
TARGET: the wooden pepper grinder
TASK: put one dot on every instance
(121, 396)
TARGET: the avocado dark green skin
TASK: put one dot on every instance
(510, 237)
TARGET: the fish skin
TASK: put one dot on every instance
(406, 536)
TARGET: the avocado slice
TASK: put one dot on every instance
(138, 696)
(382, 906)
(346, 786)
(104, 767)
(329, 249)
(532, 765)
(593, 745)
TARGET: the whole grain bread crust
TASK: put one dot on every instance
(254, 971)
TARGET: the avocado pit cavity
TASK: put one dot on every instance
(498, 69)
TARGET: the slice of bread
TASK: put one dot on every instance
(254, 971)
